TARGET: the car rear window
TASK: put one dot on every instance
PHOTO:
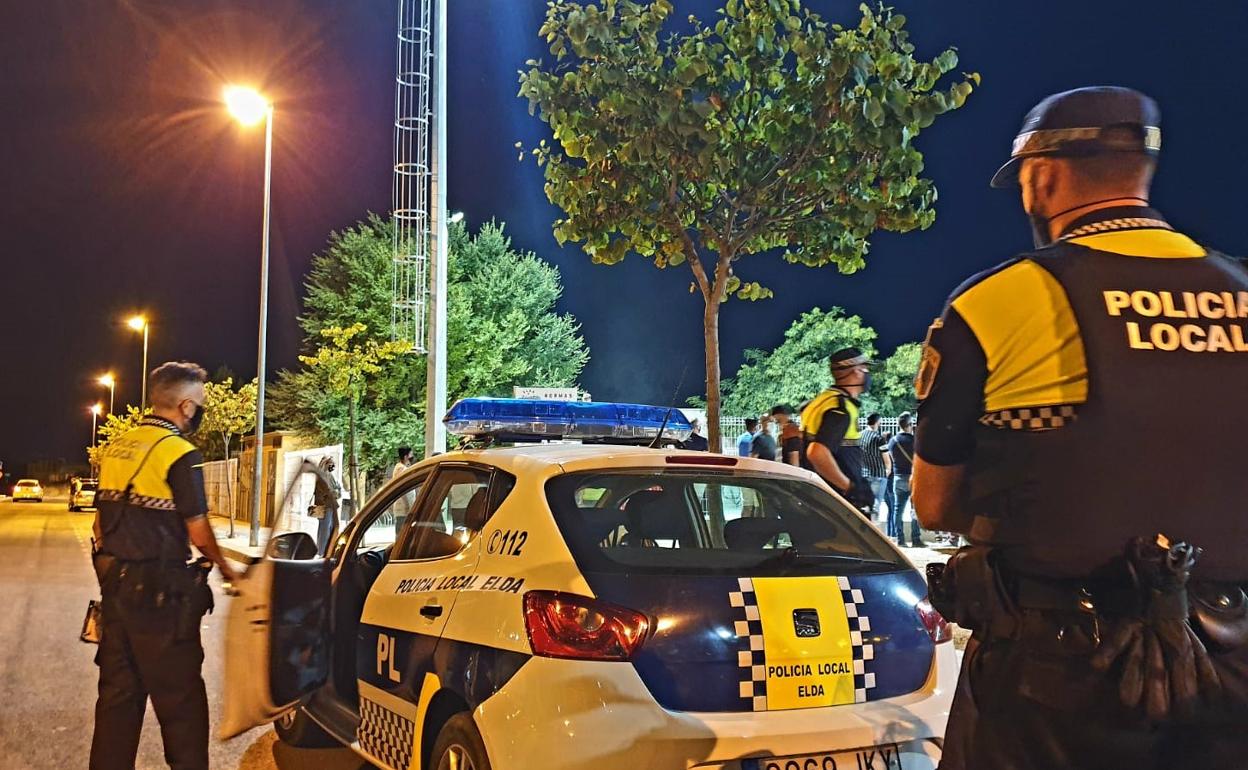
(712, 522)
(88, 486)
(28, 483)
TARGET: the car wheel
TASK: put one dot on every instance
(459, 746)
(74, 509)
(296, 728)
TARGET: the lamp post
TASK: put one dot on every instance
(140, 324)
(110, 382)
(435, 367)
(95, 414)
(249, 108)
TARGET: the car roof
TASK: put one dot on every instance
(28, 481)
(557, 457)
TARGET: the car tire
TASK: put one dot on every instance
(459, 739)
(296, 728)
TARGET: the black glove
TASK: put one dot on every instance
(1163, 664)
(860, 495)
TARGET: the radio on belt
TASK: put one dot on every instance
(522, 419)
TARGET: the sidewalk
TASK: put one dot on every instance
(236, 548)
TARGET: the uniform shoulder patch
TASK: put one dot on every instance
(929, 363)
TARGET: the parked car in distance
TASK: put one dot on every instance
(28, 489)
(82, 494)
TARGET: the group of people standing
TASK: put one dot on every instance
(888, 460)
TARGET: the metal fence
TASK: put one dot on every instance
(732, 427)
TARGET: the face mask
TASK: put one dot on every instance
(866, 382)
(195, 420)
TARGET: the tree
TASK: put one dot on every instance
(348, 364)
(768, 130)
(797, 369)
(892, 388)
(502, 330)
(228, 413)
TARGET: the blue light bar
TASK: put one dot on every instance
(523, 419)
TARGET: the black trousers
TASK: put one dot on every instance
(1016, 709)
(139, 658)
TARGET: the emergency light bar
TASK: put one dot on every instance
(523, 419)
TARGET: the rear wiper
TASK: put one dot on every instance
(791, 555)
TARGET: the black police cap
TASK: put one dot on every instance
(1085, 121)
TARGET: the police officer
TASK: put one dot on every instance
(830, 427)
(150, 502)
(1103, 637)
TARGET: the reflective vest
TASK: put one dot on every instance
(1151, 443)
(139, 520)
(848, 455)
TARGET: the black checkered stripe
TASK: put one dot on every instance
(385, 735)
(1122, 223)
(139, 501)
(750, 656)
(863, 651)
(1036, 418)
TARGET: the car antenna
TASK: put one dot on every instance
(658, 437)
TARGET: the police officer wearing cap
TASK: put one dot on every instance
(1103, 636)
(830, 428)
(150, 503)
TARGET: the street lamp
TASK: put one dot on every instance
(140, 324)
(95, 414)
(249, 107)
(109, 381)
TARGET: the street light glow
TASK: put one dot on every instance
(246, 104)
(458, 216)
(107, 380)
(136, 322)
(96, 409)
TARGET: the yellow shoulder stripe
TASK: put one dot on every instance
(1030, 338)
(812, 415)
(1156, 243)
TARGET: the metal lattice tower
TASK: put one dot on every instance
(413, 140)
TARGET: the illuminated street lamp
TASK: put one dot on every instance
(249, 107)
(109, 381)
(95, 415)
(140, 324)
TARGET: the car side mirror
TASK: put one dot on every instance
(293, 546)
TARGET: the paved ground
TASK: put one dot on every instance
(47, 678)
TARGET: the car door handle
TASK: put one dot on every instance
(431, 611)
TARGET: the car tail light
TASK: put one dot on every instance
(935, 623)
(563, 625)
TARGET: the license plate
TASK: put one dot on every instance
(886, 757)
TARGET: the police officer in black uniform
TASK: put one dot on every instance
(1103, 636)
(150, 503)
(830, 428)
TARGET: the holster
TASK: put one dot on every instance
(1220, 612)
(970, 591)
(194, 599)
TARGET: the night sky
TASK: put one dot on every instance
(124, 186)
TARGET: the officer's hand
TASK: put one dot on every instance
(227, 573)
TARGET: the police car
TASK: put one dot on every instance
(594, 605)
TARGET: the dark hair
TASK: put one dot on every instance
(873, 418)
(172, 375)
(404, 451)
(751, 424)
(783, 409)
(904, 420)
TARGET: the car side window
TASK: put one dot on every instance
(452, 512)
(384, 530)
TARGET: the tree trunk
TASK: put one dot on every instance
(710, 332)
(351, 463)
(229, 489)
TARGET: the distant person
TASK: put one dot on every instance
(149, 505)
(830, 428)
(404, 462)
(876, 464)
(790, 438)
(763, 446)
(745, 441)
(696, 441)
(404, 503)
(326, 499)
(901, 449)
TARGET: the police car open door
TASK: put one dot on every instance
(277, 634)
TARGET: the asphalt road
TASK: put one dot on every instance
(47, 677)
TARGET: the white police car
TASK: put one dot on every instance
(594, 606)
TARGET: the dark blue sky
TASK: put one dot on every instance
(124, 187)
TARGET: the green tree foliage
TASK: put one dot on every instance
(892, 387)
(113, 427)
(502, 330)
(797, 369)
(770, 129)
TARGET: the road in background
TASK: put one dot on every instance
(47, 677)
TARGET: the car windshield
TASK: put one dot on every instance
(88, 486)
(28, 483)
(712, 522)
